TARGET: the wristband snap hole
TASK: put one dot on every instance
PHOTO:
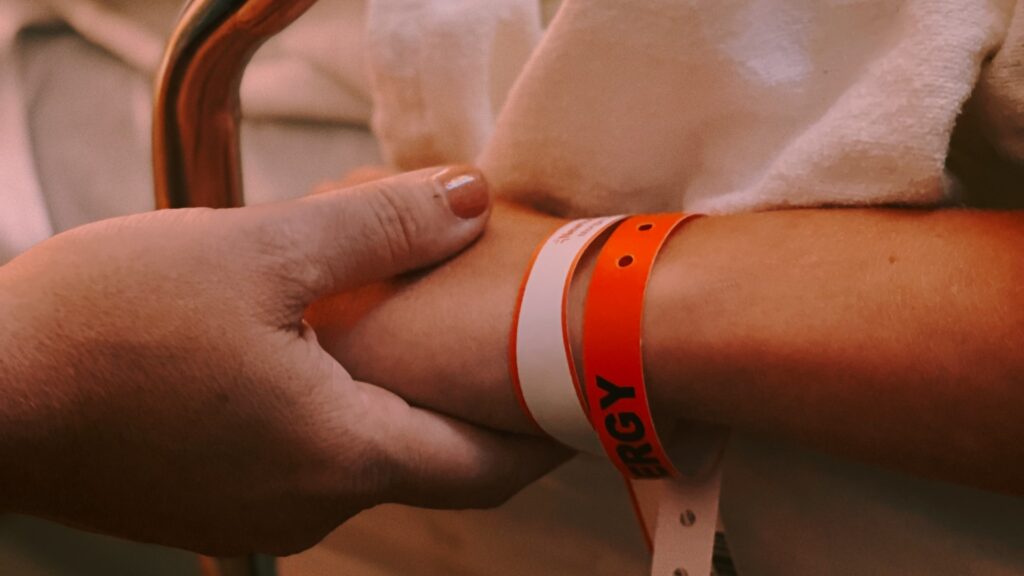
(645, 227)
(625, 261)
(687, 518)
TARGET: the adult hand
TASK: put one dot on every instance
(452, 322)
(159, 383)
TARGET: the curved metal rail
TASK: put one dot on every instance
(196, 159)
(196, 112)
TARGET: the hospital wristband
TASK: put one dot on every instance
(612, 359)
(540, 356)
(678, 514)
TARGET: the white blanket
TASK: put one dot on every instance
(669, 104)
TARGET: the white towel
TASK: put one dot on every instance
(710, 106)
(442, 70)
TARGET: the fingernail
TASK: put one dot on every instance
(466, 190)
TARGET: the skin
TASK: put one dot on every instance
(183, 401)
(891, 336)
(158, 382)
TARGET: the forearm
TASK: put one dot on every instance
(36, 420)
(17, 406)
(8, 367)
(895, 337)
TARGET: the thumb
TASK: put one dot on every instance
(345, 238)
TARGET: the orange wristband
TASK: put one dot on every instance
(612, 358)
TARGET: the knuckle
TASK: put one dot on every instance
(397, 220)
(279, 247)
(270, 236)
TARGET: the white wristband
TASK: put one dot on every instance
(542, 359)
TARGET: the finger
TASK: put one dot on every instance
(440, 462)
(361, 175)
(339, 240)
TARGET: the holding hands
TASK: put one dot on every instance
(159, 381)
(451, 325)
(244, 380)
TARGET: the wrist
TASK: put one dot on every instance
(576, 304)
(670, 325)
(679, 321)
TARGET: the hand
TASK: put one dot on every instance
(158, 381)
(452, 324)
